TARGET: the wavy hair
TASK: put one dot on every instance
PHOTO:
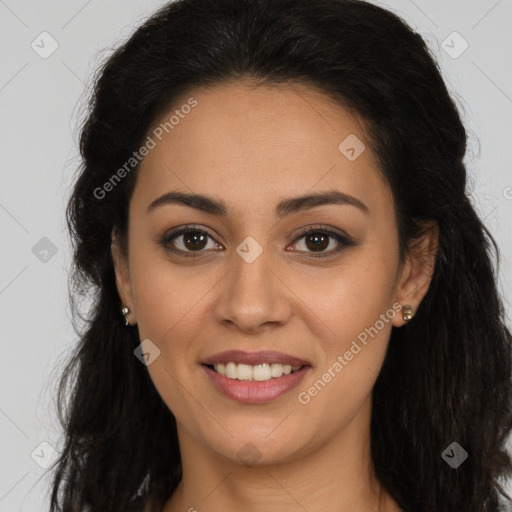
(447, 373)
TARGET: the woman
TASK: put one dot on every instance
(295, 301)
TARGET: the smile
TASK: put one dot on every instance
(261, 372)
(251, 390)
(254, 377)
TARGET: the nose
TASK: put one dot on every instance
(253, 296)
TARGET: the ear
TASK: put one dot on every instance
(417, 271)
(122, 274)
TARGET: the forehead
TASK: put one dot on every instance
(248, 143)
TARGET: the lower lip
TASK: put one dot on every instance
(255, 392)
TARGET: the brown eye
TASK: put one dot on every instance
(318, 240)
(190, 241)
(193, 240)
(187, 240)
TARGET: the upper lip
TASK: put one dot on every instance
(254, 358)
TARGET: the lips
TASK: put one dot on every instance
(255, 358)
(254, 392)
(261, 388)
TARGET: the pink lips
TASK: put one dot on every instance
(255, 392)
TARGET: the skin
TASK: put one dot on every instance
(252, 147)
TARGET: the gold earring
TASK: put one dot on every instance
(407, 313)
(125, 311)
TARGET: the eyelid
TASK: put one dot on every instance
(341, 237)
(322, 228)
(179, 231)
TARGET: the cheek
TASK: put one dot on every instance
(167, 296)
(355, 304)
(352, 296)
(168, 301)
(351, 354)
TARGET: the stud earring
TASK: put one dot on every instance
(125, 311)
(407, 313)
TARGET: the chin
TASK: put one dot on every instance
(265, 444)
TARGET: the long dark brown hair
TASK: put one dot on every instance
(447, 374)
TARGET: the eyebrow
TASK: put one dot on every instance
(285, 207)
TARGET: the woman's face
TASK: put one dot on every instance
(255, 282)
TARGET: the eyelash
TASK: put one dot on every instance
(322, 230)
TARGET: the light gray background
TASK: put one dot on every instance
(39, 101)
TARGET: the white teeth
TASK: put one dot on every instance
(259, 372)
(230, 370)
(244, 372)
(276, 370)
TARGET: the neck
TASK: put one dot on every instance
(337, 475)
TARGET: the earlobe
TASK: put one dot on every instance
(122, 277)
(417, 272)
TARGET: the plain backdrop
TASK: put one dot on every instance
(48, 52)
